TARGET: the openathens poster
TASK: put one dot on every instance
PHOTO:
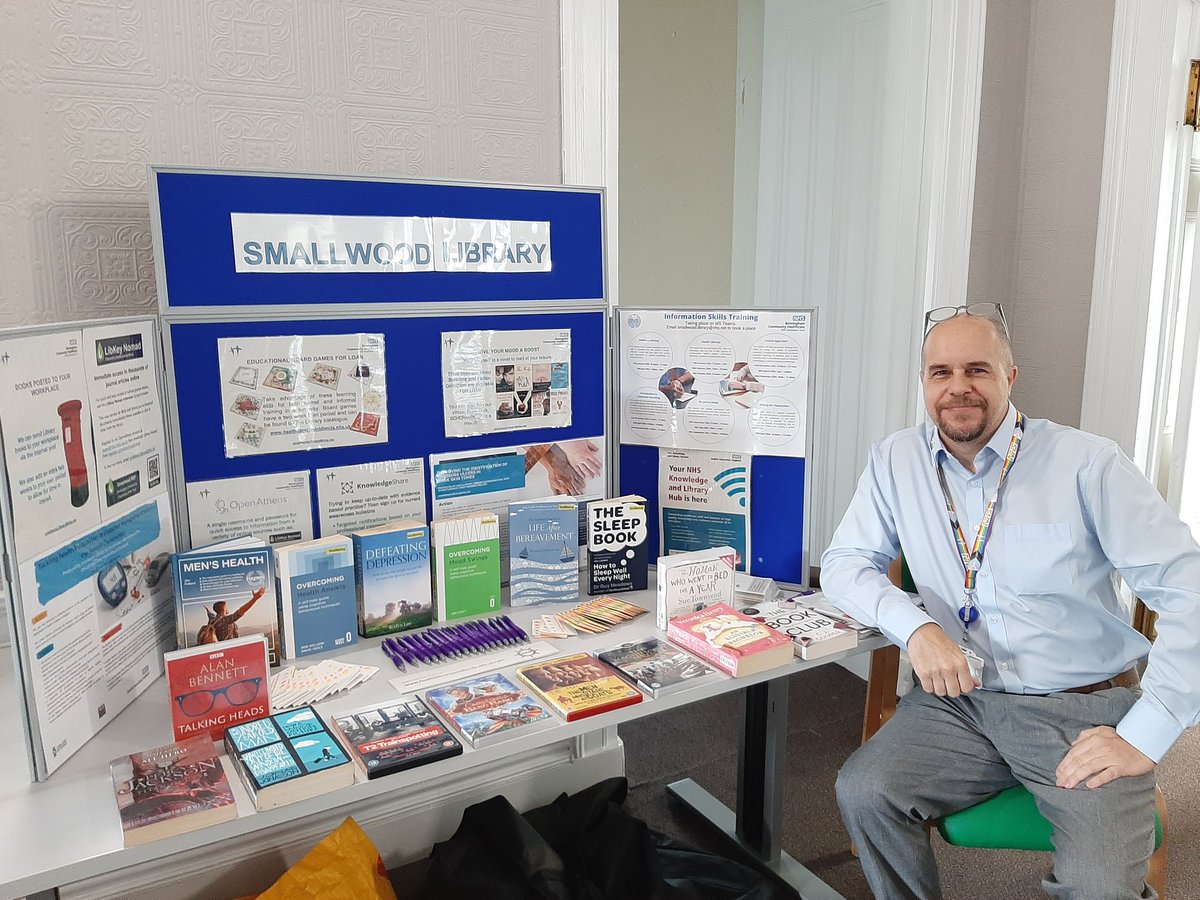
(732, 380)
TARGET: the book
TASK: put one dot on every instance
(754, 589)
(317, 599)
(213, 686)
(171, 790)
(734, 643)
(394, 736)
(489, 708)
(656, 666)
(543, 550)
(578, 686)
(813, 633)
(391, 566)
(466, 565)
(286, 757)
(617, 547)
(224, 591)
(688, 582)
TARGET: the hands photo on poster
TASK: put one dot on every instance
(292, 392)
(704, 499)
(725, 379)
(497, 381)
(354, 498)
(275, 508)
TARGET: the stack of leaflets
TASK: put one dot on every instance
(656, 666)
(818, 601)
(489, 708)
(579, 686)
(298, 686)
(394, 736)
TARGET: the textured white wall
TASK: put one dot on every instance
(91, 92)
(1046, 68)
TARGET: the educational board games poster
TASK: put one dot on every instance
(302, 392)
(83, 429)
(495, 381)
(354, 498)
(715, 379)
(704, 500)
(97, 613)
(275, 508)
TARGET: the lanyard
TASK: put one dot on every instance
(972, 557)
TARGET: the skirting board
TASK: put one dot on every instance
(404, 829)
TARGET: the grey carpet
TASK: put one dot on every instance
(700, 741)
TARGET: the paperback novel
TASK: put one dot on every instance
(617, 549)
(489, 708)
(688, 582)
(213, 686)
(543, 550)
(813, 633)
(391, 564)
(731, 641)
(579, 686)
(317, 598)
(287, 757)
(392, 737)
(467, 565)
(656, 666)
(226, 591)
(171, 790)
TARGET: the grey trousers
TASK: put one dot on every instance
(938, 755)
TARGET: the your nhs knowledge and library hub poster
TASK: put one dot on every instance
(715, 379)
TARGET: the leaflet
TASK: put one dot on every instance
(275, 508)
(705, 501)
(352, 498)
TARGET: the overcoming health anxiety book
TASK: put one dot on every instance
(317, 596)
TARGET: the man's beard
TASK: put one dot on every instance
(964, 434)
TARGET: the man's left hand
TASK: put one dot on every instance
(1098, 756)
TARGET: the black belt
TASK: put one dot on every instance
(1129, 678)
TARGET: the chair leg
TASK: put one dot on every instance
(1156, 877)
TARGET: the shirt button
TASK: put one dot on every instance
(993, 618)
(1004, 666)
(972, 484)
(983, 574)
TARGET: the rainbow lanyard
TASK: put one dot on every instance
(972, 557)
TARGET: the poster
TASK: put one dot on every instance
(716, 379)
(275, 508)
(488, 480)
(293, 392)
(496, 381)
(704, 500)
(84, 435)
(351, 498)
(98, 614)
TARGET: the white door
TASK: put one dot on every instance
(866, 175)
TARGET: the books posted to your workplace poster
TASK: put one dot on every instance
(495, 381)
(84, 441)
(705, 501)
(488, 480)
(291, 392)
(352, 498)
(715, 379)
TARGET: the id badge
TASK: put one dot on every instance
(974, 663)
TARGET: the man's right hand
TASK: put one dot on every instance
(939, 662)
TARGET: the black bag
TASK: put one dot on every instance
(580, 847)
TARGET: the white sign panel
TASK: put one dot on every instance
(704, 501)
(272, 242)
(351, 498)
(491, 245)
(494, 381)
(274, 507)
(715, 379)
(293, 392)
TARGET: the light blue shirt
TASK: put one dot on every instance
(1073, 510)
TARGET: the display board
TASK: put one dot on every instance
(87, 525)
(713, 406)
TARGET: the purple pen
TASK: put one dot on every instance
(428, 651)
(395, 647)
(463, 637)
(518, 631)
(496, 628)
(393, 655)
(442, 642)
(414, 647)
(439, 651)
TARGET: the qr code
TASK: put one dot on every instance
(153, 476)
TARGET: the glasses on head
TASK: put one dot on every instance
(197, 703)
(993, 311)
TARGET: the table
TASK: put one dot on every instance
(66, 832)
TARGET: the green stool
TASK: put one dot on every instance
(1011, 821)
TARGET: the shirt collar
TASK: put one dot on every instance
(998, 444)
